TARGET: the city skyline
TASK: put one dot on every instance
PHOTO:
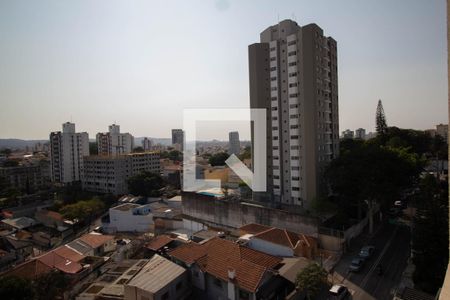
(73, 64)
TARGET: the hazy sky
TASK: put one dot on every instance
(139, 63)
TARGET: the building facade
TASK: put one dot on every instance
(178, 139)
(360, 133)
(113, 142)
(147, 144)
(442, 130)
(67, 149)
(109, 174)
(348, 134)
(293, 75)
(234, 143)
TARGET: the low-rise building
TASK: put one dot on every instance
(129, 217)
(27, 177)
(109, 174)
(278, 242)
(223, 269)
(159, 279)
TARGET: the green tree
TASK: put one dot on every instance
(366, 173)
(16, 288)
(51, 285)
(311, 279)
(430, 235)
(380, 119)
(218, 159)
(145, 184)
(83, 210)
(246, 154)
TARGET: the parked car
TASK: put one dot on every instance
(366, 252)
(356, 264)
(338, 292)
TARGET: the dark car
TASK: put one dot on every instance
(366, 252)
(338, 292)
(356, 264)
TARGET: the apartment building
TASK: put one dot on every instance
(67, 149)
(147, 144)
(293, 75)
(234, 143)
(109, 174)
(113, 142)
(360, 133)
(178, 139)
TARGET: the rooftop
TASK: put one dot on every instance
(218, 256)
(20, 223)
(156, 274)
(96, 240)
(126, 206)
(158, 242)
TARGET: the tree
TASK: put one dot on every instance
(145, 184)
(430, 235)
(246, 154)
(311, 279)
(380, 119)
(16, 288)
(83, 210)
(50, 285)
(218, 159)
(366, 174)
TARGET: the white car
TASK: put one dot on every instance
(338, 292)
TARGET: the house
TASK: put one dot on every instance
(100, 243)
(159, 279)
(278, 242)
(129, 217)
(223, 269)
(18, 223)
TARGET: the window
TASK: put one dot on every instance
(293, 74)
(295, 158)
(294, 137)
(296, 178)
(295, 188)
(292, 53)
(293, 116)
(293, 84)
(292, 64)
(275, 147)
(274, 118)
(295, 168)
(296, 147)
(274, 88)
(274, 128)
(293, 95)
(218, 282)
(293, 106)
(273, 98)
(273, 78)
(274, 108)
(273, 49)
(273, 69)
(292, 43)
(273, 59)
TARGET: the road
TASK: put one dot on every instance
(392, 243)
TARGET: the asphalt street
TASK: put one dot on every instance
(392, 247)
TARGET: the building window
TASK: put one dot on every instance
(273, 59)
(293, 84)
(293, 106)
(294, 137)
(295, 188)
(293, 74)
(292, 64)
(295, 178)
(292, 43)
(295, 168)
(292, 53)
(293, 116)
(218, 282)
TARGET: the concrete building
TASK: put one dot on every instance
(109, 174)
(178, 139)
(147, 144)
(27, 178)
(234, 143)
(67, 149)
(348, 134)
(113, 142)
(360, 133)
(129, 217)
(293, 75)
(159, 279)
(442, 130)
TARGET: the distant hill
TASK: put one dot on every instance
(19, 144)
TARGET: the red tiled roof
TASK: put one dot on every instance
(64, 264)
(279, 236)
(254, 228)
(158, 242)
(68, 253)
(218, 256)
(96, 240)
(30, 269)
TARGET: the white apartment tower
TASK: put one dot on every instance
(113, 142)
(67, 149)
(293, 75)
(234, 143)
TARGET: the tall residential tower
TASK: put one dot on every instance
(293, 75)
(113, 142)
(234, 143)
(67, 149)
